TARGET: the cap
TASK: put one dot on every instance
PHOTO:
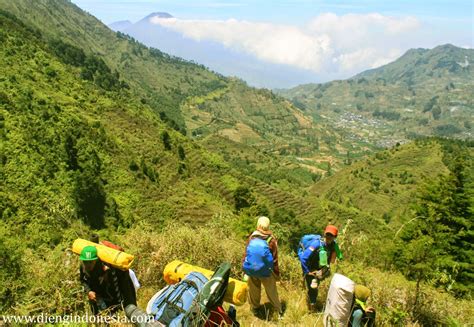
(331, 229)
(89, 253)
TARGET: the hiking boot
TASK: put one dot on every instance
(312, 307)
(256, 312)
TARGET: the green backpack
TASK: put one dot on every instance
(212, 293)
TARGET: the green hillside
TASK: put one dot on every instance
(424, 92)
(88, 145)
(192, 99)
(385, 184)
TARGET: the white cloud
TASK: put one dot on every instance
(328, 44)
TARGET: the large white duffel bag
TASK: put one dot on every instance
(339, 301)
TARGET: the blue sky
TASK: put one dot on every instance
(282, 11)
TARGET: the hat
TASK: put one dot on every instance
(263, 223)
(89, 253)
(361, 293)
(331, 229)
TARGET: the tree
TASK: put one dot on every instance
(165, 137)
(436, 245)
(89, 189)
(181, 153)
(243, 198)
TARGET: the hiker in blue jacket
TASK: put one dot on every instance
(315, 259)
(260, 263)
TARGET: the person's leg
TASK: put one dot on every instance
(356, 318)
(312, 292)
(272, 293)
(254, 285)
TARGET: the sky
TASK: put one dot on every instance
(330, 38)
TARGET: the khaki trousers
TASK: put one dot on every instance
(269, 283)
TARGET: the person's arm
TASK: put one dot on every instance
(332, 257)
(84, 280)
(91, 295)
(274, 249)
(338, 251)
(304, 258)
(245, 251)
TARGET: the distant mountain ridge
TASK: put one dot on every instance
(120, 25)
(421, 64)
(424, 92)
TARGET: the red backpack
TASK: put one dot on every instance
(218, 317)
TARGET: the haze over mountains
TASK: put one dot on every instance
(214, 55)
(282, 56)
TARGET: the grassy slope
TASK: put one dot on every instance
(195, 98)
(387, 182)
(392, 295)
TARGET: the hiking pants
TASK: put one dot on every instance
(312, 292)
(269, 283)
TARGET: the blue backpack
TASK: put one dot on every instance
(175, 305)
(305, 241)
(259, 259)
(189, 303)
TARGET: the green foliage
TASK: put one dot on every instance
(11, 271)
(243, 198)
(89, 190)
(435, 245)
(68, 53)
(165, 138)
(181, 153)
(390, 115)
(430, 104)
(447, 130)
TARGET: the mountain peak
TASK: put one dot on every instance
(120, 25)
(158, 15)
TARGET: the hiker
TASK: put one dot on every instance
(316, 255)
(260, 263)
(106, 287)
(95, 238)
(362, 315)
